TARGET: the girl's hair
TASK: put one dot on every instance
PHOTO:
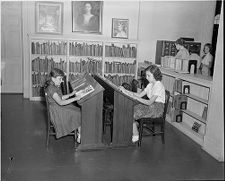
(155, 71)
(55, 72)
(209, 46)
(180, 41)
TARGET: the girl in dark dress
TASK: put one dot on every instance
(65, 116)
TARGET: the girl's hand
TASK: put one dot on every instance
(121, 88)
(74, 92)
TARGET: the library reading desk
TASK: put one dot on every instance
(91, 114)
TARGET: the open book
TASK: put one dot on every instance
(82, 86)
(87, 90)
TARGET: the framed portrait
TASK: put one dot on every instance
(87, 16)
(120, 28)
(49, 17)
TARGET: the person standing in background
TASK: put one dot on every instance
(182, 51)
(207, 60)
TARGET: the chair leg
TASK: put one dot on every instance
(75, 137)
(153, 128)
(163, 134)
(111, 131)
(140, 133)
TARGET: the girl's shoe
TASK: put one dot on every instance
(135, 138)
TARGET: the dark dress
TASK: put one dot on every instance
(64, 118)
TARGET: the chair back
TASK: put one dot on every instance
(166, 103)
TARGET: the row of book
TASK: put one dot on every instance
(39, 79)
(169, 48)
(84, 49)
(46, 64)
(120, 67)
(118, 80)
(124, 51)
(49, 47)
(174, 63)
(73, 76)
(38, 91)
(91, 66)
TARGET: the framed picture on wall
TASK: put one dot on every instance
(120, 28)
(87, 16)
(49, 17)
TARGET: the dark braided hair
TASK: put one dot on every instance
(155, 71)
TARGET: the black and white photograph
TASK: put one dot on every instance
(49, 17)
(112, 90)
(87, 16)
(120, 28)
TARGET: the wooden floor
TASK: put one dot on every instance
(24, 156)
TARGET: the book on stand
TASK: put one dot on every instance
(82, 86)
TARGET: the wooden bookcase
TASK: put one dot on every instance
(198, 99)
(115, 61)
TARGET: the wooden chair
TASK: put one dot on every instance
(50, 126)
(150, 123)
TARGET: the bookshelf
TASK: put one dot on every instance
(116, 61)
(197, 98)
(44, 55)
(120, 64)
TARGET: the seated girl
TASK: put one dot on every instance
(155, 91)
(65, 116)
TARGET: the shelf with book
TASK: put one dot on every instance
(113, 60)
(44, 55)
(85, 56)
(190, 100)
(120, 64)
(167, 48)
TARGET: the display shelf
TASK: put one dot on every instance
(192, 78)
(204, 101)
(198, 98)
(184, 128)
(194, 115)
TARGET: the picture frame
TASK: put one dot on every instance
(49, 17)
(87, 16)
(120, 28)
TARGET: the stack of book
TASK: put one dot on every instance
(120, 67)
(180, 65)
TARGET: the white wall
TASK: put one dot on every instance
(111, 9)
(149, 21)
(169, 20)
(214, 139)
